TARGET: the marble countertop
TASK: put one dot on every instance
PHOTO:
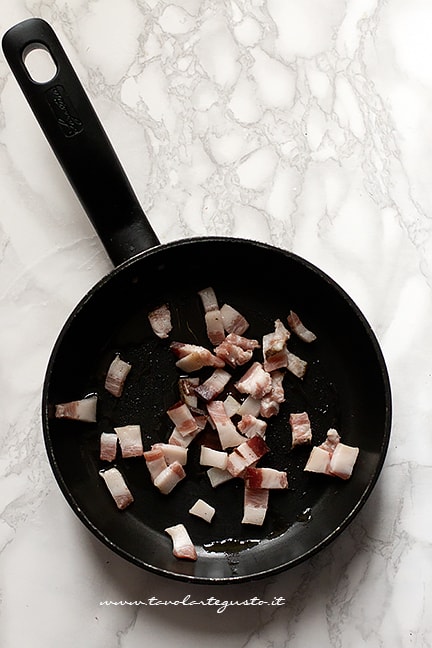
(306, 125)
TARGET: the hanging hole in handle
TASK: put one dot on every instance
(39, 63)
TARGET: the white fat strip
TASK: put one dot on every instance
(211, 457)
(218, 476)
(203, 510)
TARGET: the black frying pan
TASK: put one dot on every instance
(346, 385)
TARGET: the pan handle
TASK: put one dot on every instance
(80, 143)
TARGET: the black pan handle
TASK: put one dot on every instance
(80, 143)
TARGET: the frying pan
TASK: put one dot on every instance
(346, 385)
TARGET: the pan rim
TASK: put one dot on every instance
(259, 574)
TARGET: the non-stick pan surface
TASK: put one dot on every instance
(346, 386)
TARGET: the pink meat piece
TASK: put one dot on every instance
(117, 487)
(270, 402)
(247, 344)
(318, 461)
(212, 315)
(265, 478)
(182, 418)
(160, 321)
(255, 505)
(155, 462)
(275, 352)
(301, 428)
(187, 390)
(299, 328)
(169, 477)
(233, 321)
(177, 439)
(130, 440)
(108, 446)
(172, 452)
(228, 435)
(214, 385)
(183, 546)
(116, 376)
(296, 365)
(331, 441)
(256, 381)
(78, 410)
(333, 457)
(342, 460)
(251, 426)
(246, 454)
(232, 354)
(194, 357)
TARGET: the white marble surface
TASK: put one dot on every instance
(306, 124)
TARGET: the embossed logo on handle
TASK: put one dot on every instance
(63, 111)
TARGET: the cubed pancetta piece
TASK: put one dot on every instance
(236, 350)
(251, 426)
(270, 403)
(250, 406)
(232, 354)
(231, 405)
(256, 381)
(108, 446)
(332, 457)
(182, 418)
(228, 435)
(214, 385)
(255, 505)
(233, 321)
(172, 452)
(203, 510)
(187, 390)
(300, 428)
(130, 440)
(245, 343)
(342, 460)
(217, 476)
(194, 357)
(246, 454)
(155, 462)
(181, 440)
(296, 365)
(160, 321)
(212, 315)
(183, 546)
(265, 478)
(332, 439)
(116, 376)
(318, 461)
(275, 352)
(297, 326)
(211, 457)
(78, 410)
(169, 477)
(117, 487)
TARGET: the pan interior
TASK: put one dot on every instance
(345, 387)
